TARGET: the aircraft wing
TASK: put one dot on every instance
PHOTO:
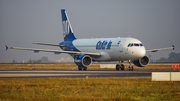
(155, 50)
(55, 51)
(47, 44)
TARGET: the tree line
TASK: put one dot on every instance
(173, 57)
(42, 60)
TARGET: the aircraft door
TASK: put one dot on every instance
(120, 46)
(127, 51)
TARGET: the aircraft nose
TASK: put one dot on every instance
(142, 52)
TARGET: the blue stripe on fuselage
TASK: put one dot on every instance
(68, 46)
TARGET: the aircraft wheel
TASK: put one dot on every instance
(129, 68)
(85, 68)
(79, 68)
(117, 67)
(122, 67)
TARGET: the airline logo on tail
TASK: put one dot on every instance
(67, 29)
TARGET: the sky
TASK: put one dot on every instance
(155, 23)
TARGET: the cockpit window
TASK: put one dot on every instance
(129, 45)
(134, 44)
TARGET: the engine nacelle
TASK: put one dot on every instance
(142, 62)
(83, 61)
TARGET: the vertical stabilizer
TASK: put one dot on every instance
(67, 29)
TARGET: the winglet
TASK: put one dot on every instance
(173, 47)
(6, 47)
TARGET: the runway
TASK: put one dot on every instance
(79, 74)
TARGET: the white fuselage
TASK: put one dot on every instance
(112, 49)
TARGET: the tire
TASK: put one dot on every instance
(85, 68)
(79, 68)
(122, 67)
(129, 68)
(117, 67)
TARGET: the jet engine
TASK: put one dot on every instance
(83, 61)
(142, 62)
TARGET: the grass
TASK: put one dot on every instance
(73, 66)
(38, 66)
(81, 89)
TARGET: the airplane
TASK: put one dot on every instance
(86, 51)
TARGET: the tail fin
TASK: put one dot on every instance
(67, 29)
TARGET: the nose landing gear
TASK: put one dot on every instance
(130, 68)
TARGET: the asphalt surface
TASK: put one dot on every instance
(78, 74)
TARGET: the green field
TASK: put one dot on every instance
(74, 67)
(83, 89)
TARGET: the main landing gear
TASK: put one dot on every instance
(82, 68)
(120, 66)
